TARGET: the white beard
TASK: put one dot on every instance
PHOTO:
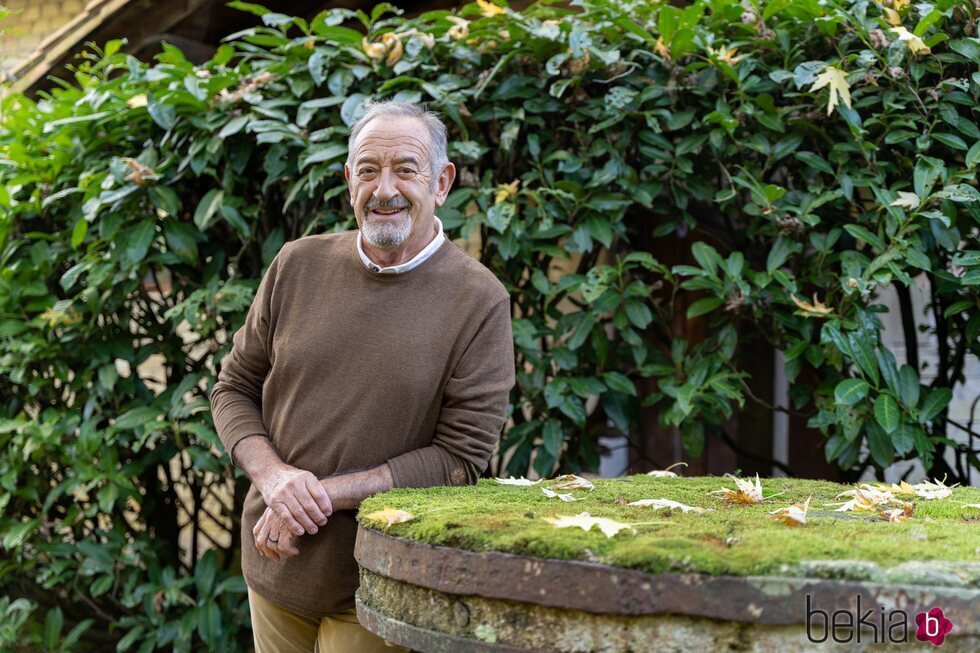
(387, 234)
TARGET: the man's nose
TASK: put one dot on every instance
(385, 189)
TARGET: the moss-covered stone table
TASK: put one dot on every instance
(481, 569)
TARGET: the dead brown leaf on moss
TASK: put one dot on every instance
(746, 492)
(794, 515)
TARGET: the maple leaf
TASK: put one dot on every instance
(489, 9)
(816, 309)
(661, 504)
(390, 516)
(746, 492)
(896, 515)
(665, 473)
(907, 200)
(572, 482)
(836, 80)
(553, 495)
(793, 515)
(585, 521)
(914, 43)
(516, 481)
(506, 191)
(867, 498)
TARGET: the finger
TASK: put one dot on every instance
(300, 516)
(287, 517)
(312, 510)
(261, 534)
(319, 494)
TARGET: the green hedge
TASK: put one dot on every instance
(808, 155)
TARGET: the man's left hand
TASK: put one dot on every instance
(273, 538)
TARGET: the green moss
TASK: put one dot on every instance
(731, 539)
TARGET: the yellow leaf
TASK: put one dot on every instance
(140, 173)
(506, 191)
(489, 9)
(816, 309)
(390, 516)
(137, 101)
(866, 498)
(661, 49)
(666, 504)
(373, 50)
(891, 16)
(585, 521)
(794, 515)
(572, 482)
(746, 492)
(460, 28)
(914, 43)
(395, 48)
(836, 80)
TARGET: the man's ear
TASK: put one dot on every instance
(444, 183)
(347, 172)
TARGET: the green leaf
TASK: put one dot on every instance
(620, 383)
(934, 403)
(887, 413)
(638, 313)
(861, 233)
(207, 208)
(78, 233)
(850, 391)
(137, 417)
(704, 305)
(863, 354)
(908, 388)
(880, 445)
(706, 256)
(321, 153)
(552, 436)
(903, 439)
(135, 241)
(165, 199)
(53, 623)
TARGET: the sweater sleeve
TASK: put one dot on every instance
(236, 400)
(473, 413)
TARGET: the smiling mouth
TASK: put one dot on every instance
(387, 213)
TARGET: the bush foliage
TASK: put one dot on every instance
(808, 154)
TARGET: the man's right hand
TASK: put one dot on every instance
(297, 497)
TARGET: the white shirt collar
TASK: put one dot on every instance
(417, 260)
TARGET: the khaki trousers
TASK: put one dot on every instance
(277, 630)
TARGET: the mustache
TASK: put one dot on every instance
(387, 205)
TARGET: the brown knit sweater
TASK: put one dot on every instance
(344, 369)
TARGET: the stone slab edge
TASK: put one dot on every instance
(603, 589)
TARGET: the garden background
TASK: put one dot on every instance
(675, 196)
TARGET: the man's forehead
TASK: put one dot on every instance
(403, 135)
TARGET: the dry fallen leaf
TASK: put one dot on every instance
(553, 495)
(896, 515)
(516, 481)
(460, 28)
(866, 498)
(935, 490)
(572, 482)
(793, 515)
(746, 492)
(390, 516)
(665, 473)
(660, 504)
(585, 521)
(836, 79)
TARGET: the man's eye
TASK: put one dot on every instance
(407, 172)
(367, 171)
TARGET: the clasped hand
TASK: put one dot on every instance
(296, 504)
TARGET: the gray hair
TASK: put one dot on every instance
(438, 158)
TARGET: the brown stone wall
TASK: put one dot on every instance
(30, 22)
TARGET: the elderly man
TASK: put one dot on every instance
(369, 360)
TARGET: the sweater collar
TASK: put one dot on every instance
(417, 260)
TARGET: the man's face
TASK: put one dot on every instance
(393, 189)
